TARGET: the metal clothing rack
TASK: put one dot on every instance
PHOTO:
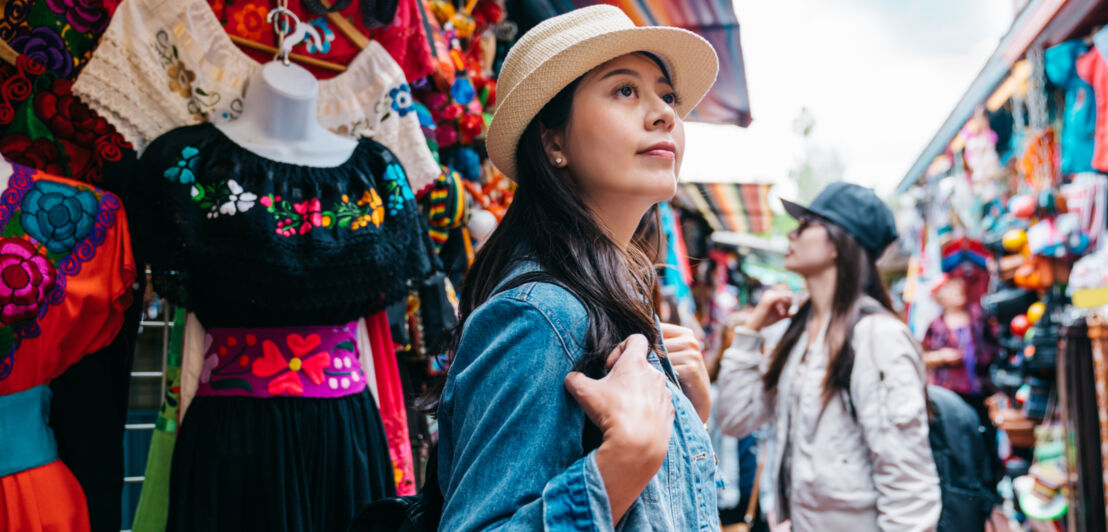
(152, 345)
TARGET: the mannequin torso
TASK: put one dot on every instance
(5, 172)
(279, 120)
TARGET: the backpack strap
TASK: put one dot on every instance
(864, 311)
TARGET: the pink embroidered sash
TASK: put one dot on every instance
(282, 362)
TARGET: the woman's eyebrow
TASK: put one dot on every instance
(634, 74)
(624, 71)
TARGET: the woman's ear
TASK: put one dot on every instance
(553, 142)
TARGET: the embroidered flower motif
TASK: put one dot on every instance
(58, 215)
(310, 213)
(273, 362)
(82, 15)
(41, 153)
(399, 191)
(25, 279)
(238, 201)
(326, 37)
(183, 171)
(376, 215)
(180, 79)
(402, 99)
(250, 21)
(46, 47)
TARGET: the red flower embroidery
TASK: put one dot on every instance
(68, 117)
(250, 21)
(273, 362)
(40, 153)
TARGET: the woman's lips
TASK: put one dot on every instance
(665, 150)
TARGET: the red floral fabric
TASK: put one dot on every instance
(405, 39)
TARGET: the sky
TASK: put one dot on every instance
(878, 77)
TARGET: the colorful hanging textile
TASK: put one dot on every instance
(734, 207)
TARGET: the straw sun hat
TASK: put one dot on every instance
(563, 48)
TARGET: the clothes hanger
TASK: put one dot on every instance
(302, 59)
(345, 27)
(284, 20)
(7, 53)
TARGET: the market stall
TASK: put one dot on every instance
(1010, 197)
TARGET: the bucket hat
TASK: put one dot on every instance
(563, 48)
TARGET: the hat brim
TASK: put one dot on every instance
(691, 61)
(798, 211)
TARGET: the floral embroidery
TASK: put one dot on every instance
(55, 132)
(180, 79)
(184, 171)
(250, 21)
(346, 372)
(325, 32)
(273, 362)
(58, 215)
(200, 102)
(38, 153)
(402, 99)
(83, 15)
(25, 279)
(398, 189)
(225, 197)
(227, 367)
(299, 218)
(14, 199)
(46, 47)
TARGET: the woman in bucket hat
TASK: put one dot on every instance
(560, 410)
(845, 385)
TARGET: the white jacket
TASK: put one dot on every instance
(875, 473)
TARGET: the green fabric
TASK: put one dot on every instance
(153, 506)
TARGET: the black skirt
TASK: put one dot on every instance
(277, 464)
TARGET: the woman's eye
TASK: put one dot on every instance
(671, 98)
(626, 91)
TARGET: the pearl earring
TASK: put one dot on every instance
(558, 161)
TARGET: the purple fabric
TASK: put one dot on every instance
(975, 341)
(319, 362)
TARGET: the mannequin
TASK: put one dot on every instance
(279, 120)
(5, 172)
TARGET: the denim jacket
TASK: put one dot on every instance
(511, 455)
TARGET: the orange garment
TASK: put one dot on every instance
(66, 271)
(46, 498)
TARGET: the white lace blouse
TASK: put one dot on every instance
(163, 64)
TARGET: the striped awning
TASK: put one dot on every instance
(733, 207)
(728, 102)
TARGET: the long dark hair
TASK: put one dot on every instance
(550, 221)
(856, 276)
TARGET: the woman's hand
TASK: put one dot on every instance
(634, 412)
(946, 356)
(688, 360)
(773, 307)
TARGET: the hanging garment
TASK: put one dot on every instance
(1079, 115)
(65, 260)
(404, 36)
(43, 126)
(278, 263)
(1092, 68)
(164, 64)
(394, 413)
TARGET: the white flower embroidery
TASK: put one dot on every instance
(239, 200)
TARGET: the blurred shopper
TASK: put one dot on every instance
(845, 385)
(960, 345)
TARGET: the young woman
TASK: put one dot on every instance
(560, 410)
(845, 386)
